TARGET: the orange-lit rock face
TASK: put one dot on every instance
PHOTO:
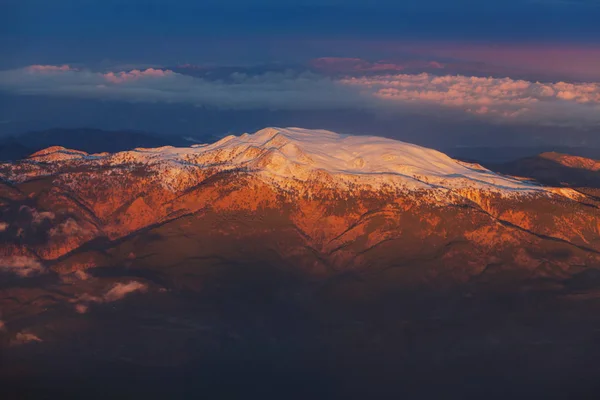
(572, 161)
(74, 212)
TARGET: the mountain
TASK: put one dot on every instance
(92, 140)
(497, 155)
(556, 169)
(315, 200)
(12, 149)
(314, 254)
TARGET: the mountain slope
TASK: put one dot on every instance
(316, 201)
(291, 155)
(556, 169)
(296, 251)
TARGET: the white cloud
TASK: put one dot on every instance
(499, 99)
(269, 90)
(502, 99)
(117, 292)
(121, 290)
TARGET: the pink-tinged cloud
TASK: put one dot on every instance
(506, 98)
(49, 68)
(503, 100)
(133, 75)
(24, 337)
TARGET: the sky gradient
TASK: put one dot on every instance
(177, 31)
(529, 65)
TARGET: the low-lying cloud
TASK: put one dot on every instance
(135, 74)
(24, 338)
(120, 290)
(49, 68)
(69, 227)
(37, 217)
(270, 90)
(502, 100)
(22, 266)
(117, 292)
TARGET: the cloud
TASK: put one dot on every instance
(22, 266)
(69, 227)
(75, 277)
(24, 338)
(49, 68)
(3, 226)
(37, 217)
(503, 100)
(358, 65)
(81, 308)
(117, 292)
(125, 76)
(272, 90)
(121, 290)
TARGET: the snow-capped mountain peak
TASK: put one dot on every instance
(292, 157)
(296, 154)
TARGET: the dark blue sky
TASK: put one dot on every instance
(466, 19)
(535, 40)
(167, 31)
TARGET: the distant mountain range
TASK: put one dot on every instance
(555, 169)
(495, 155)
(16, 147)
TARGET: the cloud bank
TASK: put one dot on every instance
(503, 100)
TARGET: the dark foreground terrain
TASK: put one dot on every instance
(263, 334)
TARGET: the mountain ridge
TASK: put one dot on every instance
(277, 199)
(186, 248)
(295, 154)
(19, 146)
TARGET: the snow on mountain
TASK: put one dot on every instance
(57, 153)
(289, 156)
(294, 154)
